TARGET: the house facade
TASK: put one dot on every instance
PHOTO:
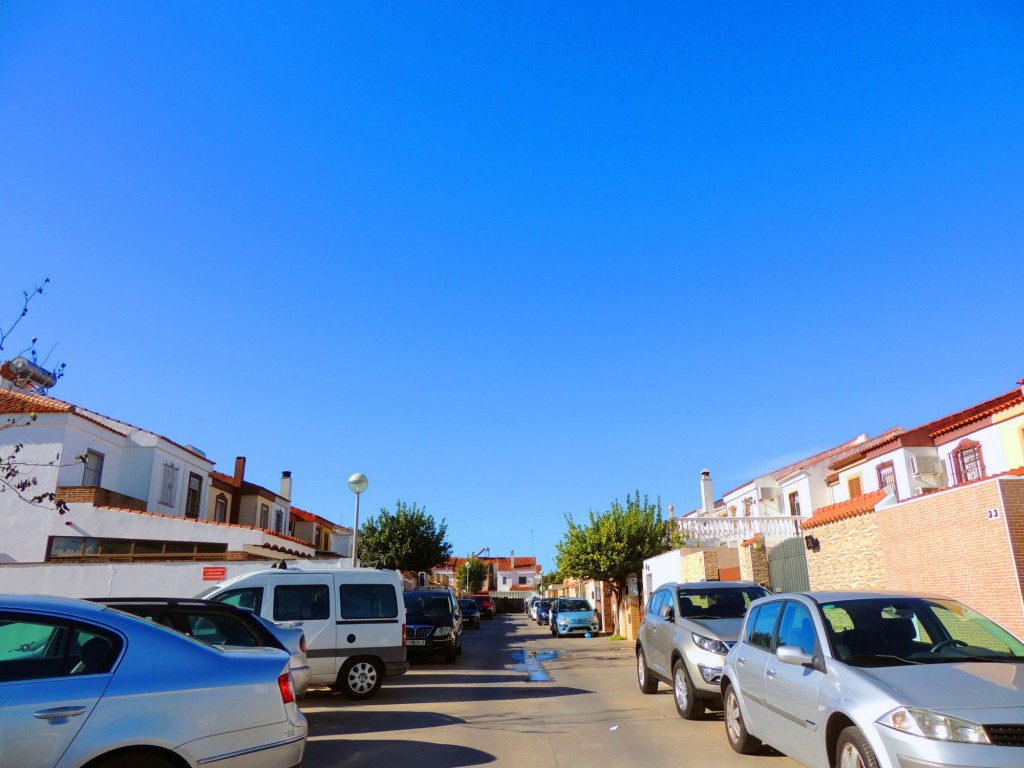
(506, 576)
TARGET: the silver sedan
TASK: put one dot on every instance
(875, 680)
(82, 684)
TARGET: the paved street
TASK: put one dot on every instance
(482, 710)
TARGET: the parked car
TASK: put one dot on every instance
(486, 606)
(220, 623)
(434, 623)
(571, 615)
(875, 679)
(531, 608)
(687, 630)
(470, 613)
(544, 611)
(82, 684)
(352, 619)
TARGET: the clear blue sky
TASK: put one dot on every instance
(516, 260)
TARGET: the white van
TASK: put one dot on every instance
(354, 620)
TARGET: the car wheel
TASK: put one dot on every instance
(647, 682)
(133, 759)
(359, 679)
(451, 655)
(735, 730)
(688, 704)
(853, 750)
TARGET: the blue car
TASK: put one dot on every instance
(573, 616)
(544, 611)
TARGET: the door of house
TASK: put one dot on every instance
(787, 566)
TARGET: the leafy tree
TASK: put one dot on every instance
(471, 574)
(407, 539)
(613, 544)
(17, 475)
(552, 577)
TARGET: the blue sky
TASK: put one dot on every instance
(516, 260)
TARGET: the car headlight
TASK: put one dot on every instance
(442, 632)
(710, 644)
(935, 725)
(564, 622)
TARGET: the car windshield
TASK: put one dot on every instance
(909, 630)
(468, 605)
(717, 602)
(427, 604)
(574, 605)
(545, 603)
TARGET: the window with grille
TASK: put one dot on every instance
(220, 509)
(747, 504)
(279, 525)
(794, 503)
(169, 484)
(264, 516)
(93, 472)
(887, 477)
(968, 463)
(195, 493)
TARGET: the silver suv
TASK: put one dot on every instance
(685, 634)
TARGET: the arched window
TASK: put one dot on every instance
(967, 461)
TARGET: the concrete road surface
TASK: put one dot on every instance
(484, 709)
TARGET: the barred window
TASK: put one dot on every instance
(93, 472)
(967, 462)
(169, 485)
(794, 503)
(887, 477)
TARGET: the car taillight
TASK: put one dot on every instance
(302, 643)
(284, 682)
(403, 635)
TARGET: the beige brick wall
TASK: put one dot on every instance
(964, 543)
(848, 557)
(699, 565)
(754, 563)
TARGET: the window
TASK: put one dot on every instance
(195, 493)
(301, 602)
(80, 548)
(967, 462)
(40, 648)
(93, 471)
(169, 485)
(762, 627)
(794, 503)
(279, 524)
(522, 580)
(220, 509)
(797, 629)
(316, 537)
(368, 601)
(887, 478)
(853, 486)
(264, 516)
(747, 504)
(246, 597)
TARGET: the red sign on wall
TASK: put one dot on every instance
(214, 572)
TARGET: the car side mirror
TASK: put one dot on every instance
(791, 654)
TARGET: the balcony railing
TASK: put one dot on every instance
(716, 531)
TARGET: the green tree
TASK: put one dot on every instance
(471, 574)
(615, 543)
(407, 539)
(552, 577)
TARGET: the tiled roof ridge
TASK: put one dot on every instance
(270, 531)
(858, 505)
(996, 407)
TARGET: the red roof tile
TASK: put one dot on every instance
(858, 505)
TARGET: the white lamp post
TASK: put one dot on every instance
(357, 484)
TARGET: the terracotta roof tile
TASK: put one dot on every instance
(858, 505)
(751, 540)
(1005, 402)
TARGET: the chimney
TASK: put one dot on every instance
(239, 470)
(512, 560)
(707, 495)
(286, 485)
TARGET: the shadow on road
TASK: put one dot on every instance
(373, 754)
(327, 722)
(399, 695)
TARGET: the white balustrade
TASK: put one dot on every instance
(718, 531)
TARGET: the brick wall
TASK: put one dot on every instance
(848, 557)
(754, 563)
(698, 566)
(966, 543)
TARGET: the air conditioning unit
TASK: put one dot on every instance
(925, 465)
(766, 494)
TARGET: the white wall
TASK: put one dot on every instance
(661, 569)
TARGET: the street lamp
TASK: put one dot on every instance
(357, 484)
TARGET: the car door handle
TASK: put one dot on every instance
(771, 673)
(741, 659)
(59, 712)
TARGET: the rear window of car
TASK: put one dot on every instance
(368, 601)
(428, 603)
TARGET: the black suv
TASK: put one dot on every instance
(433, 623)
